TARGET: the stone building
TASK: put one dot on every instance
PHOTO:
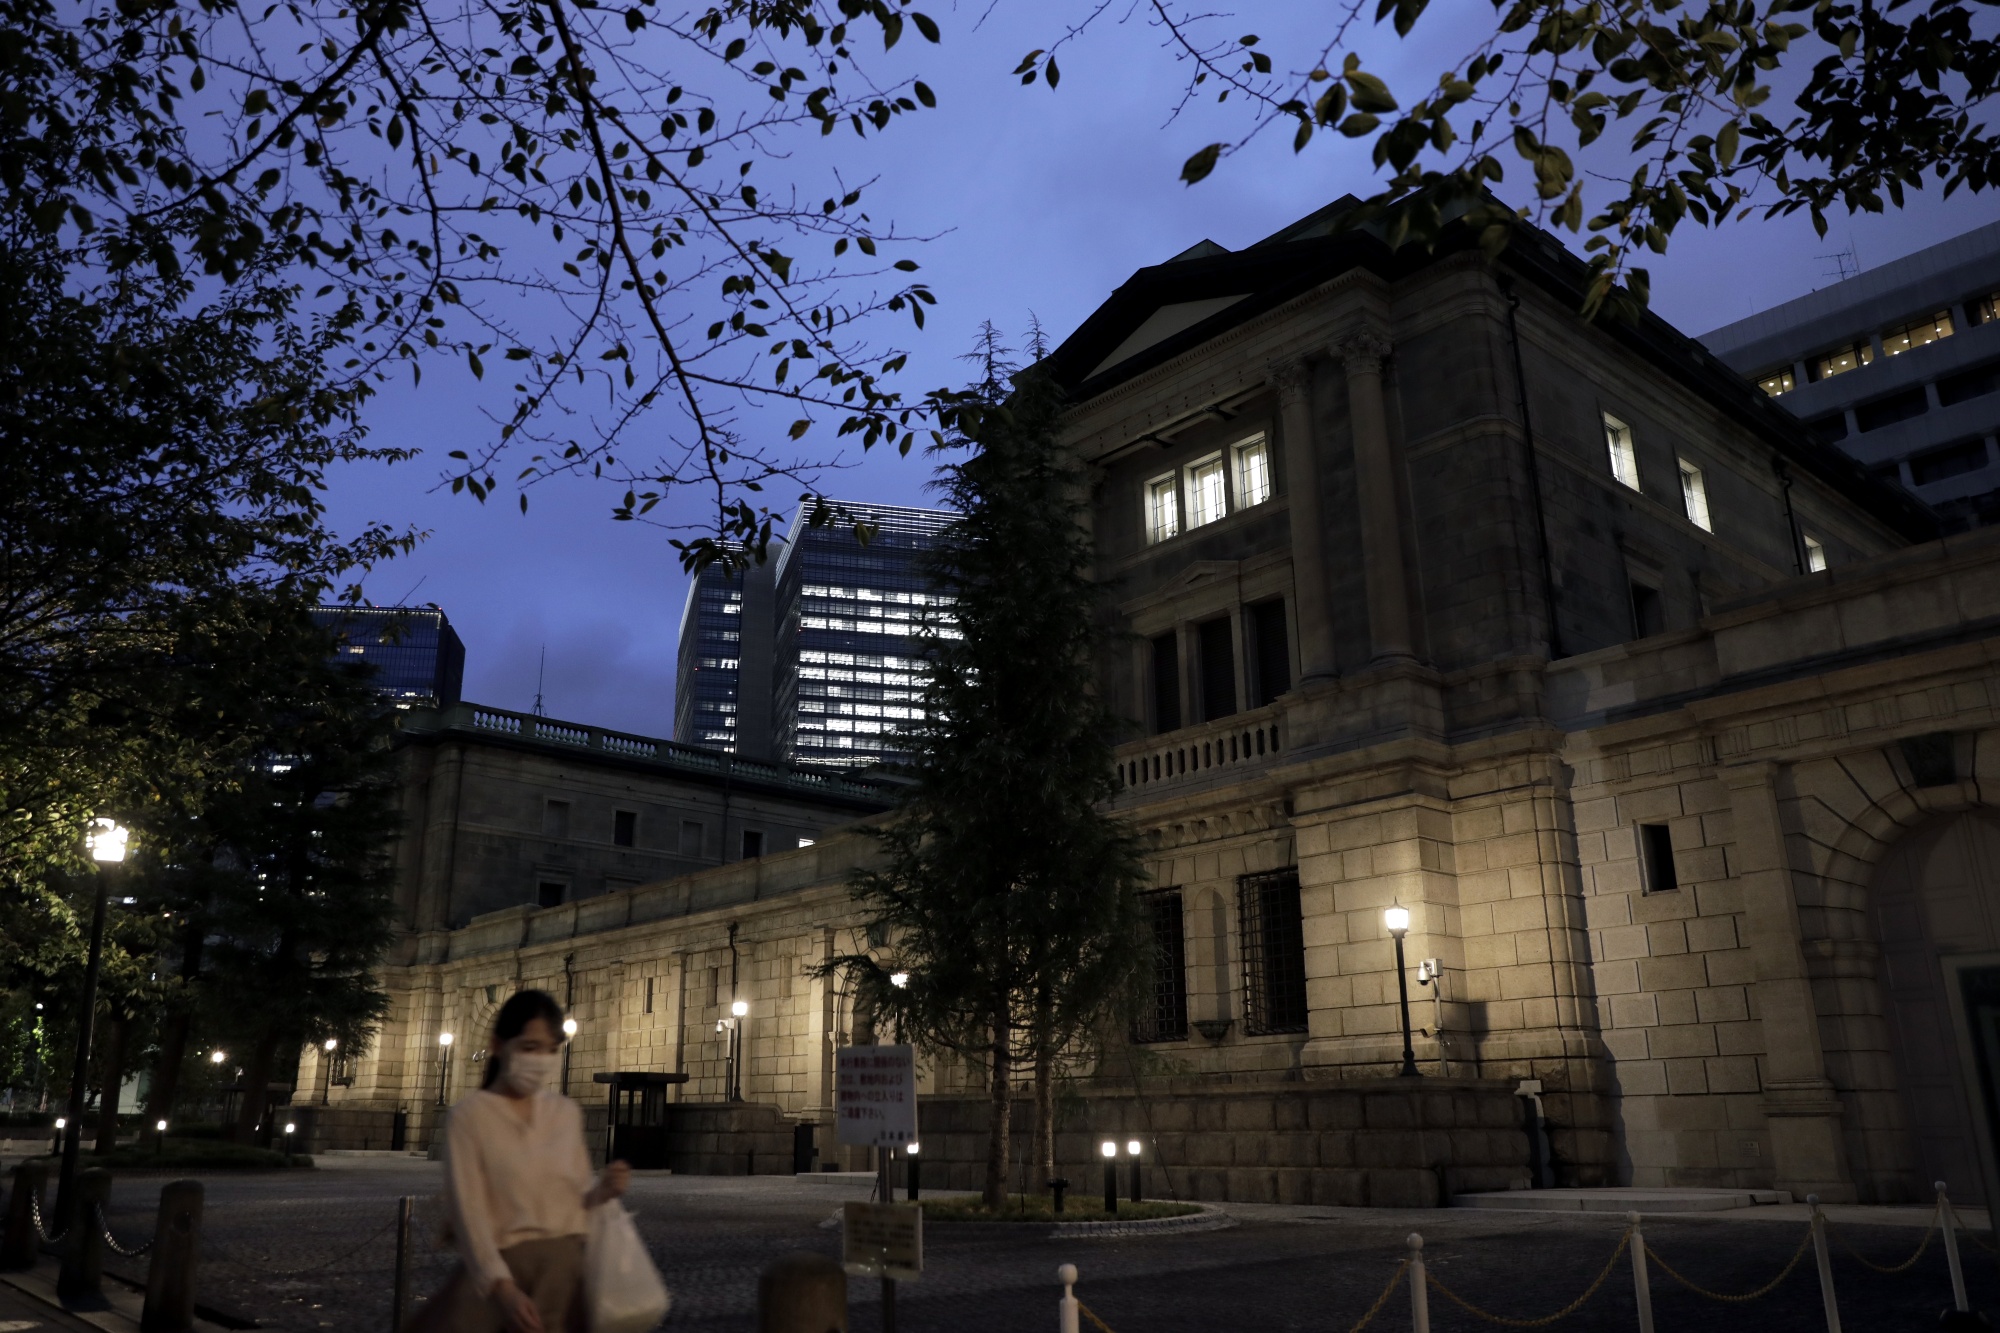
(1425, 592)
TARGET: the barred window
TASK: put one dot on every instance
(1274, 952)
(1163, 1015)
(341, 1074)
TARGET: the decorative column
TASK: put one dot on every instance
(1801, 1110)
(1375, 485)
(1293, 381)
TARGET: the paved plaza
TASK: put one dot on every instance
(310, 1251)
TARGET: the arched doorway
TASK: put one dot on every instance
(1936, 909)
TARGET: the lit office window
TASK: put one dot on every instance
(1694, 495)
(1815, 556)
(1624, 458)
(1253, 473)
(1163, 515)
(1917, 333)
(1778, 383)
(1207, 498)
(1842, 359)
(1984, 309)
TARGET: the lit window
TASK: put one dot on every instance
(1694, 495)
(1917, 333)
(1842, 359)
(1163, 516)
(1815, 556)
(1778, 383)
(1985, 309)
(1624, 458)
(1207, 499)
(1253, 473)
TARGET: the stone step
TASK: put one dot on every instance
(1664, 1199)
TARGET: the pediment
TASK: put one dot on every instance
(1164, 323)
(1207, 571)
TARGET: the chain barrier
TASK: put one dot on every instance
(1972, 1236)
(1388, 1290)
(41, 1227)
(1937, 1218)
(222, 1256)
(97, 1213)
(1765, 1290)
(1091, 1315)
(1570, 1309)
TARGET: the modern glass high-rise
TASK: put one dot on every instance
(413, 654)
(848, 670)
(722, 687)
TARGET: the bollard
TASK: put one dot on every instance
(170, 1277)
(1066, 1308)
(802, 1292)
(20, 1245)
(1950, 1225)
(1642, 1283)
(1825, 1265)
(1420, 1295)
(1057, 1188)
(80, 1281)
(399, 1291)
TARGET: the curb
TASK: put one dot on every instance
(1210, 1218)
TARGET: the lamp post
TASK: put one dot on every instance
(444, 1065)
(1397, 919)
(569, 1038)
(291, 1128)
(159, 1138)
(1110, 1151)
(738, 1011)
(1132, 1147)
(326, 1059)
(916, 1171)
(106, 842)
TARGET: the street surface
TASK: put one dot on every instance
(309, 1251)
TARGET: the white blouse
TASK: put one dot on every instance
(509, 1179)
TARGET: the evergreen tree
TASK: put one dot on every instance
(1008, 892)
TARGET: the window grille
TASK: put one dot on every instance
(1624, 456)
(1253, 473)
(1163, 515)
(1207, 500)
(1163, 1015)
(341, 1075)
(1274, 952)
(1694, 496)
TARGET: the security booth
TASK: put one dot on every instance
(635, 1127)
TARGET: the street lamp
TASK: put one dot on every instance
(106, 841)
(217, 1057)
(1397, 919)
(899, 980)
(291, 1128)
(916, 1170)
(326, 1059)
(159, 1138)
(1138, 1182)
(733, 1083)
(1110, 1151)
(569, 1037)
(444, 1064)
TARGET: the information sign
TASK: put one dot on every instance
(883, 1240)
(875, 1096)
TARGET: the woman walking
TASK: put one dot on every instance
(517, 1187)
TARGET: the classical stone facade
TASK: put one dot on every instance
(1425, 592)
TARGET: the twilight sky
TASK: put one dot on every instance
(1039, 202)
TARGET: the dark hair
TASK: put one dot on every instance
(521, 1009)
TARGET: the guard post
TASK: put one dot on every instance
(176, 1251)
(80, 1281)
(19, 1245)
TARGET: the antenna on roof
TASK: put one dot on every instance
(405, 599)
(540, 673)
(1841, 264)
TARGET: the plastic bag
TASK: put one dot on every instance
(623, 1288)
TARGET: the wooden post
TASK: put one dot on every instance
(170, 1276)
(1066, 1308)
(1420, 1296)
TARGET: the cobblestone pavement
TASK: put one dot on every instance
(309, 1252)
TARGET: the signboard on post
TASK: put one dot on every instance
(883, 1240)
(875, 1096)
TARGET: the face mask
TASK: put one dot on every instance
(527, 1074)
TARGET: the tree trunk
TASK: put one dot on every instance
(114, 1076)
(174, 1038)
(1045, 1118)
(1000, 1136)
(256, 1086)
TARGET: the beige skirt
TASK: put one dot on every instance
(550, 1271)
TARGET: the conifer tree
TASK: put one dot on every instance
(1007, 890)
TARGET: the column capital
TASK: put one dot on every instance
(1362, 352)
(1291, 378)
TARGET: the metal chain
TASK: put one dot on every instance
(1972, 1236)
(1907, 1264)
(1388, 1290)
(41, 1227)
(1764, 1290)
(1545, 1320)
(112, 1241)
(309, 1268)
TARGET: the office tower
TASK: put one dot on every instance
(1899, 366)
(722, 688)
(847, 670)
(413, 653)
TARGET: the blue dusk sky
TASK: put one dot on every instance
(1039, 204)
